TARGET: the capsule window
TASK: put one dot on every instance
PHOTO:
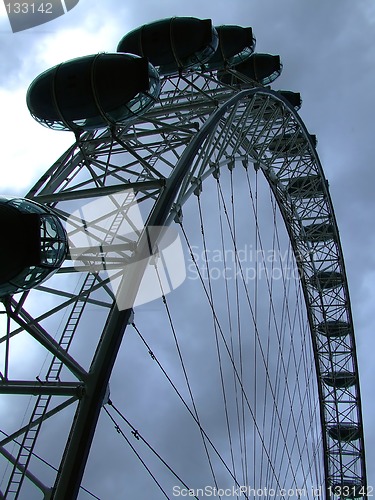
(93, 92)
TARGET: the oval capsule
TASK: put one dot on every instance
(93, 92)
(173, 44)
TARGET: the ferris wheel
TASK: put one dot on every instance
(188, 233)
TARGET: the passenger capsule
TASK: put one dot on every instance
(345, 432)
(34, 244)
(309, 186)
(93, 92)
(173, 44)
(261, 69)
(236, 44)
(318, 232)
(334, 328)
(291, 144)
(326, 279)
(339, 380)
(294, 98)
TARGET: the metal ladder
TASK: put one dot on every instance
(53, 375)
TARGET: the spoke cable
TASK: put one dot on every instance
(279, 333)
(139, 436)
(154, 358)
(229, 354)
(118, 429)
(239, 335)
(223, 390)
(230, 326)
(173, 329)
(282, 433)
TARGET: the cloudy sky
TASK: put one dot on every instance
(328, 52)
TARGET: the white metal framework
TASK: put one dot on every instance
(197, 126)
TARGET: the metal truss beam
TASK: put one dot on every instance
(41, 388)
